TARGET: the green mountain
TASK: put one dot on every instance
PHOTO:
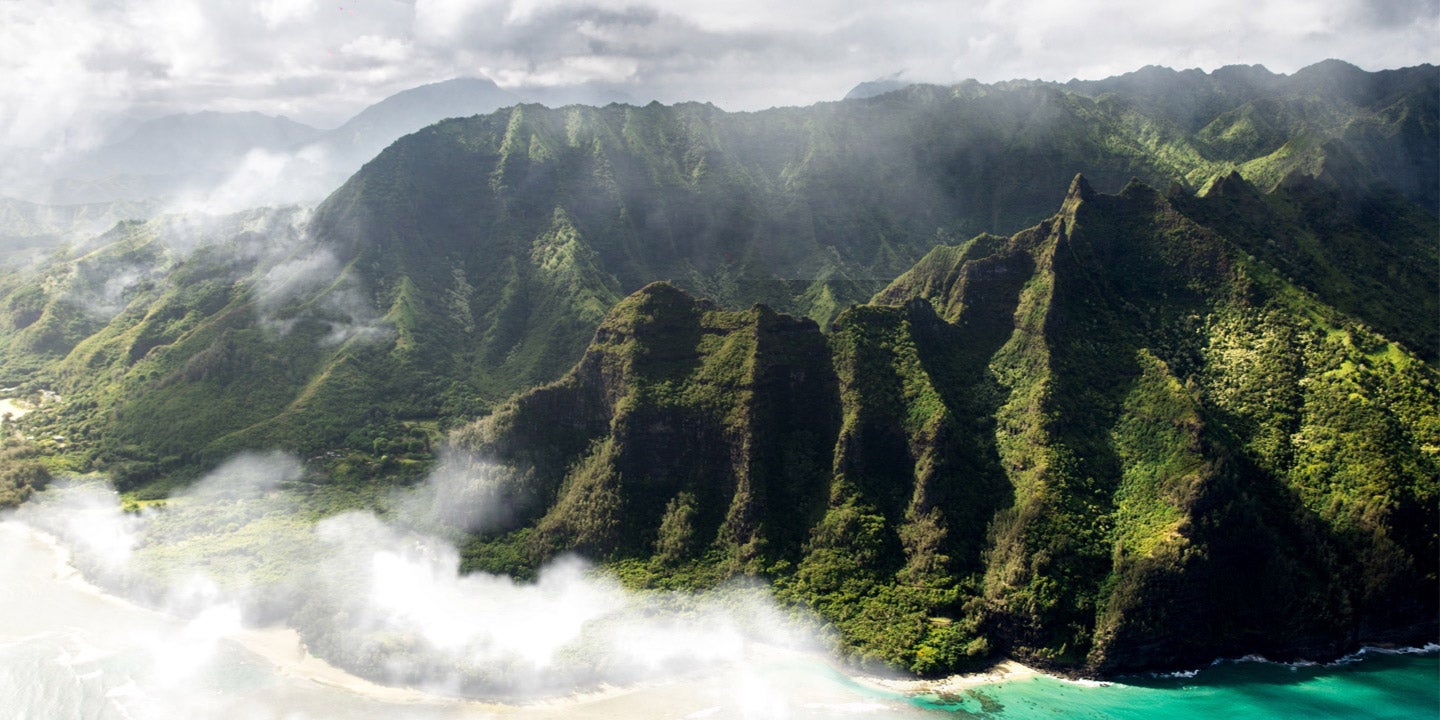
(1114, 441)
(475, 258)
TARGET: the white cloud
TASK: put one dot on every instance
(375, 592)
(444, 21)
(73, 65)
(375, 47)
(43, 53)
(576, 70)
(279, 12)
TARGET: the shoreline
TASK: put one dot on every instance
(281, 649)
(68, 573)
(1003, 671)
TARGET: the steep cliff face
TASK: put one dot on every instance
(1114, 441)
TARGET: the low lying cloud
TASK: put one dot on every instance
(315, 286)
(102, 297)
(388, 601)
(462, 494)
(262, 178)
(295, 279)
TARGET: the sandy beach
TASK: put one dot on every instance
(1004, 671)
(281, 647)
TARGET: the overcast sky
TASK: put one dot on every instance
(64, 62)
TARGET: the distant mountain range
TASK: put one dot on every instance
(365, 135)
(29, 231)
(159, 160)
(220, 162)
(916, 397)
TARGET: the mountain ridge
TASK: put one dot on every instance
(476, 257)
(1051, 433)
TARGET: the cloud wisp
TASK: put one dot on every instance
(325, 292)
(293, 279)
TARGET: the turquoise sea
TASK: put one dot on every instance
(1372, 684)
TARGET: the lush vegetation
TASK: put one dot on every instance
(1153, 428)
(22, 472)
(1114, 441)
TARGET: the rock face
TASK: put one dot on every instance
(1115, 441)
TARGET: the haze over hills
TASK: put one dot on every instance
(1039, 438)
(174, 155)
(30, 231)
(218, 162)
(155, 160)
(222, 162)
(362, 137)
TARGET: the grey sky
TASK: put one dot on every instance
(69, 64)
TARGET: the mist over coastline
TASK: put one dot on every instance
(68, 649)
(376, 596)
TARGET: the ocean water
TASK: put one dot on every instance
(69, 651)
(1373, 684)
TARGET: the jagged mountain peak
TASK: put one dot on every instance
(493, 245)
(876, 87)
(1080, 189)
(1229, 185)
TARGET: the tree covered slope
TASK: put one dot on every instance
(1114, 441)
